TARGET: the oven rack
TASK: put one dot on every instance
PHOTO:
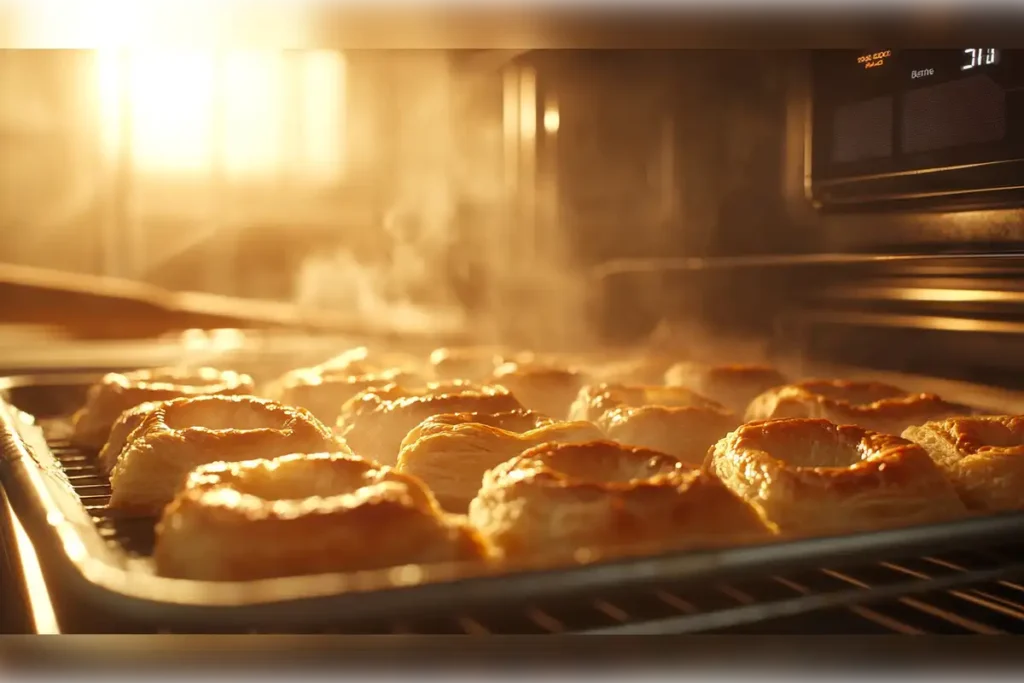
(971, 592)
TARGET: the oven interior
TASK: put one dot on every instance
(821, 208)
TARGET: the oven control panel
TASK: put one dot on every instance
(899, 126)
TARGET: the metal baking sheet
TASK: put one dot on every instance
(101, 574)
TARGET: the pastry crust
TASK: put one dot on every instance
(871, 405)
(569, 500)
(122, 432)
(684, 432)
(646, 369)
(177, 436)
(734, 386)
(305, 514)
(470, 363)
(376, 421)
(323, 390)
(594, 401)
(118, 392)
(812, 477)
(548, 389)
(452, 461)
(360, 360)
(517, 421)
(983, 457)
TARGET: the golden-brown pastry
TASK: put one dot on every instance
(122, 431)
(812, 477)
(734, 386)
(556, 499)
(684, 432)
(452, 462)
(361, 361)
(177, 436)
(305, 514)
(376, 421)
(547, 389)
(471, 363)
(983, 457)
(646, 369)
(118, 392)
(594, 401)
(323, 390)
(517, 421)
(872, 405)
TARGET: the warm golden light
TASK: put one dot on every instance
(551, 119)
(251, 114)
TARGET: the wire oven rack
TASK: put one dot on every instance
(976, 588)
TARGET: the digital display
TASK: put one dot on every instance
(886, 112)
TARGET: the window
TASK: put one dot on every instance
(251, 116)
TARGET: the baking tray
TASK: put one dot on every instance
(104, 577)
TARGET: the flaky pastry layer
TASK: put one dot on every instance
(875, 406)
(544, 388)
(684, 432)
(118, 392)
(734, 385)
(323, 391)
(376, 421)
(812, 477)
(983, 456)
(567, 500)
(517, 421)
(305, 514)
(452, 462)
(177, 436)
(593, 401)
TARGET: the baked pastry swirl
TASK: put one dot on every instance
(545, 388)
(812, 477)
(734, 386)
(558, 499)
(871, 405)
(517, 421)
(376, 421)
(470, 363)
(983, 456)
(360, 360)
(594, 401)
(684, 432)
(174, 437)
(305, 514)
(324, 390)
(452, 461)
(118, 392)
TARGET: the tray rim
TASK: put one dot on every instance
(57, 521)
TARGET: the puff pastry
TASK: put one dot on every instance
(734, 386)
(471, 363)
(452, 462)
(305, 514)
(983, 457)
(323, 391)
(568, 501)
(177, 436)
(594, 401)
(118, 392)
(685, 432)
(376, 421)
(812, 477)
(547, 389)
(871, 405)
(517, 421)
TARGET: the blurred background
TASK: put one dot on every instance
(421, 183)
